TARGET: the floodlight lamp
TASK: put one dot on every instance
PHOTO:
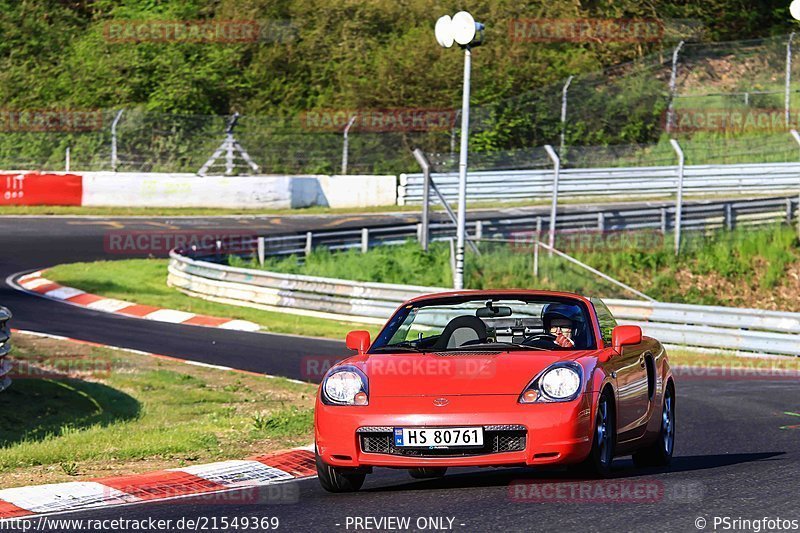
(794, 9)
(444, 31)
(464, 28)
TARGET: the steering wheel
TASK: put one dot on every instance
(540, 337)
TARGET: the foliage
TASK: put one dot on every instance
(317, 55)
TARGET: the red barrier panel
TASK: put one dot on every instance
(40, 189)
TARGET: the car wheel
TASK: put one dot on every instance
(598, 463)
(337, 479)
(660, 452)
(427, 473)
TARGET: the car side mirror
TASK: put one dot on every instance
(358, 340)
(625, 336)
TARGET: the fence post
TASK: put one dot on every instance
(787, 94)
(364, 240)
(601, 222)
(114, 140)
(261, 250)
(796, 137)
(452, 242)
(345, 144)
(679, 199)
(663, 221)
(66, 160)
(789, 211)
(309, 242)
(564, 114)
(729, 217)
(478, 230)
(672, 80)
(554, 204)
(423, 162)
(536, 259)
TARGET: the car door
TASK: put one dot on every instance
(630, 374)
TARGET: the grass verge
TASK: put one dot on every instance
(144, 281)
(75, 412)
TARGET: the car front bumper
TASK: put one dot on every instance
(554, 433)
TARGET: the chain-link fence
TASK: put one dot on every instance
(731, 102)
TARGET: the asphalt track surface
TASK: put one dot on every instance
(732, 457)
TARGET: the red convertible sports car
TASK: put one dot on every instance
(495, 378)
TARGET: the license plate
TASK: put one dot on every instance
(437, 437)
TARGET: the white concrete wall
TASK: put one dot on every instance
(359, 191)
(130, 189)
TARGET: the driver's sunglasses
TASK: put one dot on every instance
(564, 329)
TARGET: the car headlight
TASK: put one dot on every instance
(560, 382)
(345, 385)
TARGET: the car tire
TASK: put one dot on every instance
(598, 463)
(660, 452)
(337, 479)
(428, 473)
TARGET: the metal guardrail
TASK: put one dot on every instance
(361, 302)
(749, 330)
(5, 348)
(753, 178)
(696, 216)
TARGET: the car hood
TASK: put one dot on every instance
(454, 373)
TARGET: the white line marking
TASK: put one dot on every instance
(240, 325)
(35, 283)
(170, 315)
(63, 293)
(109, 305)
(63, 496)
(237, 473)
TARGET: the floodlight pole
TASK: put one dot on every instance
(458, 275)
(788, 95)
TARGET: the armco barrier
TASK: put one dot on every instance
(358, 301)
(584, 221)
(756, 178)
(5, 347)
(749, 330)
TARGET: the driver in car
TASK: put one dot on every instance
(562, 322)
(561, 329)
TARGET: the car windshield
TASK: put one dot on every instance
(488, 324)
